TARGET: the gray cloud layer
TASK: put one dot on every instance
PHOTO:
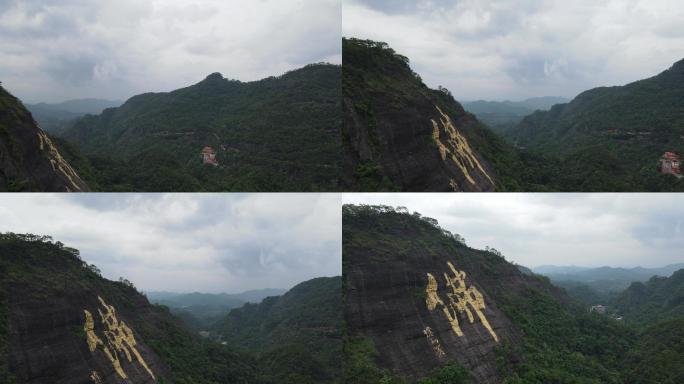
(190, 242)
(57, 50)
(624, 230)
(499, 49)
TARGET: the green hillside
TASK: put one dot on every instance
(55, 286)
(389, 140)
(298, 334)
(611, 138)
(276, 134)
(660, 298)
(545, 337)
(45, 288)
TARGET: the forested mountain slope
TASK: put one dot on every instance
(29, 161)
(420, 305)
(280, 133)
(55, 117)
(400, 135)
(660, 298)
(63, 323)
(300, 332)
(611, 138)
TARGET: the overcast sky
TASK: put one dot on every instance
(190, 242)
(591, 230)
(514, 49)
(53, 50)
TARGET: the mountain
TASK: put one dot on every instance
(421, 306)
(611, 138)
(605, 281)
(500, 116)
(54, 118)
(659, 298)
(63, 323)
(207, 307)
(29, 161)
(658, 355)
(400, 135)
(280, 133)
(301, 328)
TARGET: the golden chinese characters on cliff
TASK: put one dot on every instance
(118, 345)
(460, 299)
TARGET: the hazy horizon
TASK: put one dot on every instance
(58, 51)
(567, 229)
(498, 50)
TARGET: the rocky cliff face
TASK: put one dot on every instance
(65, 324)
(28, 158)
(424, 299)
(399, 134)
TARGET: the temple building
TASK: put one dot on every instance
(670, 163)
(208, 156)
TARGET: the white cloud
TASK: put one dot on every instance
(624, 230)
(499, 49)
(54, 50)
(190, 242)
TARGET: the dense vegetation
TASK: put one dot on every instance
(560, 341)
(610, 138)
(658, 299)
(360, 367)
(45, 269)
(5, 376)
(297, 335)
(600, 285)
(276, 134)
(377, 81)
(606, 139)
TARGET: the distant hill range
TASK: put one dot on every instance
(660, 298)
(599, 285)
(503, 115)
(55, 117)
(207, 307)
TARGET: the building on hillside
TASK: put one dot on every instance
(600, 309)
(670, 163)
(208, 156)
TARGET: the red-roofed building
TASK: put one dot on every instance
(208, 156)
(670, 163)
